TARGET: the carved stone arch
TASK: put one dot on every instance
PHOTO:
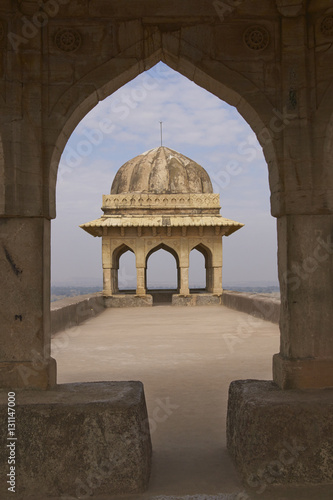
(118, 252)
(167, 248)
(215, 77)
(205, 251)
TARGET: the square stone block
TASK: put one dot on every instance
(196, 299)
(128, 300)
(77, 441)
(279, 437)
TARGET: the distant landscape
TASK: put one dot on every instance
(59, 292)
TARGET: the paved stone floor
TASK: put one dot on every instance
(186, 358)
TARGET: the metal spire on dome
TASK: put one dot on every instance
(161, 125)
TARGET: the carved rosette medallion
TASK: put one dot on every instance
(256, 38)
(326, 26)
(68, 40)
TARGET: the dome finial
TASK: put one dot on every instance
(161, 125)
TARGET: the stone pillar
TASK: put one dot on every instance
(184, 285)
(209, 278)
(141, 281)
(305, 253)
(114, 280)
(217, 280)
(107, 281)
(25, 297)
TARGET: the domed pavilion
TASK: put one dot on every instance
(161, 199)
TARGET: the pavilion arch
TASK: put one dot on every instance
(222, 81)
(208, 256)
(169, 249)
(115, 258)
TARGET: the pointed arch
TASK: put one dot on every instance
(227, 84)
(208, 259)
(170, 250)
(118, 252)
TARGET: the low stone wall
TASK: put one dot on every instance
(258, 305)
(72, 311)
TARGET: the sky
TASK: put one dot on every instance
(196, 124)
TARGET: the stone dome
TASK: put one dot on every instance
(161, 171)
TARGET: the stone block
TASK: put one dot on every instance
(196, 299)
(128, 301)
(280, 437)
(183, 300)
(208, 299)
(77, 441)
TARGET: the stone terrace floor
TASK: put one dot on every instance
(187, 356)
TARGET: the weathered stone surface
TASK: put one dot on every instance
(25, 304)
(196, 299)
(73, 311)
(161, 171)
(305, 257)
(78, 440)
(259, 306)
(128, 301)
(279, 437)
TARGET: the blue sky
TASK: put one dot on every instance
(198, 125)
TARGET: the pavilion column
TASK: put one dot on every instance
(107, 281)
(25, 294)
(216, 273)
(305, 253)
(141, 281)
(209, 278)
(114, 280)
(184, 282)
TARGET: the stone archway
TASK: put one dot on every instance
(170, 250)
(208, 257)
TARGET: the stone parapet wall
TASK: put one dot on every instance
(72, 311)
(258, 305)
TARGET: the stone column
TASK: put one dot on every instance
(184, 285)
(107, 281)
(217, 280)
(209, 278)
(25, 297)
(141, 281)
(306, 275)
(115, 280)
